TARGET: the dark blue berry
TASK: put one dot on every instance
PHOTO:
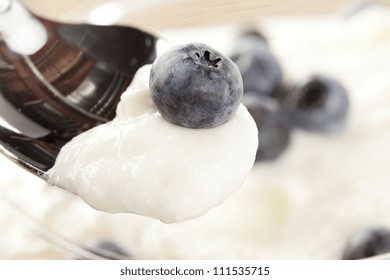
(319, 104)
(273, 127)
(367, 242)
(195, 86)
(108, 250)
(260, 70)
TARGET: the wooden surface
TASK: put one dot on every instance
(184, 13)
(162, 14)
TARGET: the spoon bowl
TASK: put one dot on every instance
(61, 82)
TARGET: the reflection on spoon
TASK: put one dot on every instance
(61, 79)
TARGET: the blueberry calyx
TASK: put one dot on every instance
(208, 59)
(313, 95)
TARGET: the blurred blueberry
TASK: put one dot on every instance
(367, 242)
(255, 35)
(107, 249)
(273, 127)
(319, 104)
(195, 86)
(260, 70)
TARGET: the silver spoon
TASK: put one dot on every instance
(58, 80)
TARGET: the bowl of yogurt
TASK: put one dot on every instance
(306, 204)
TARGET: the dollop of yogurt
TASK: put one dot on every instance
(142, 164)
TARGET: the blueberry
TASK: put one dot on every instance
(260, 70)
(319, 104)
(109, 250)
(273, 127)
(195, 86)
(367, 242)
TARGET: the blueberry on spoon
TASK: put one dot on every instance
(367, 242)
(195, 86)
(319, 104)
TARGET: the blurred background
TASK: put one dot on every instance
(30, 204)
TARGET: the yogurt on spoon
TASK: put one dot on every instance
(174, 151)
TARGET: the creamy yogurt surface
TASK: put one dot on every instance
(140, 163)
(303, 206)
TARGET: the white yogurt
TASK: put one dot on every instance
(303, 206)
(140, 163)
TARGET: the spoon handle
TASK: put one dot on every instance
(32, 154)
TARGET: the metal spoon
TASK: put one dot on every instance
(58, 80)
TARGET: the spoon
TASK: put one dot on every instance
(58, 80)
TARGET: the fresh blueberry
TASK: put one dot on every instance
(319, 104)
(108, 250)
(195, 86)
(273, 127)
(367, 242)
(260, 70)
